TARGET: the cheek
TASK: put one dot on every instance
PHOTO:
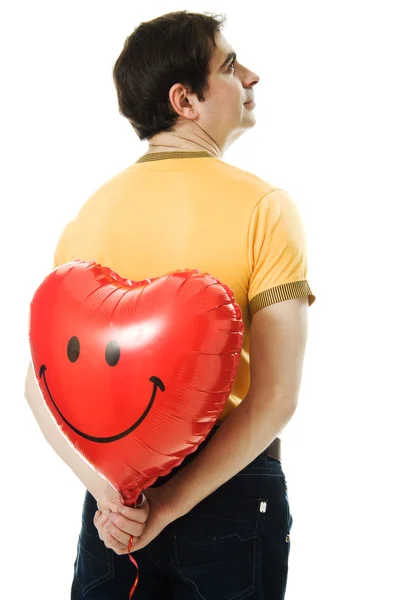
(235, 96)
(229, 103)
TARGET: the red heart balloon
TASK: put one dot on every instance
(134, 373)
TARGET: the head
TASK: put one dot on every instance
(174, 75)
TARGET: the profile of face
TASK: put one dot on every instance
(224, 115)
(231, 86)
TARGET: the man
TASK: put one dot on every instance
(218, 526)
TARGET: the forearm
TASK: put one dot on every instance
(90, 479)
(248, 430)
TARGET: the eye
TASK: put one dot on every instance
(73, 349)
(232, 63)
(113, 353)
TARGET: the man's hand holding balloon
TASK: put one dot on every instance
(117, 523)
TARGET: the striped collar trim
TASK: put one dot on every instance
(178, 154)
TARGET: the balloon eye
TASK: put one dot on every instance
(113, 353)
(73, 349)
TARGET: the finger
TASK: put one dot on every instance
(119, 548)
(126, 525)
(100, 523)
(103, 518)
(101, 533)
(121, 536)
(104, 505)
(134, 514)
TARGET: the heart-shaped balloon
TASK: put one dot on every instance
(134, 373)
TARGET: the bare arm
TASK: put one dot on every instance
(90, 479)
(278, 340)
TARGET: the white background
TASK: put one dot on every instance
(328, 132)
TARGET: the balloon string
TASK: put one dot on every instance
(130, 543)
(136, 565)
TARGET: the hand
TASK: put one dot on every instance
(109, 500)
(144, 524)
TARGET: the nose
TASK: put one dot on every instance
(252, 79)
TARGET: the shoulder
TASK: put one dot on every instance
(260, 187)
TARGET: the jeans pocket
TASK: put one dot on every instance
(94, 562)
(219, 557)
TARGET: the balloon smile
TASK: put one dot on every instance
(157, 384)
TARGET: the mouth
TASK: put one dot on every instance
(251, 103)
(157, 385)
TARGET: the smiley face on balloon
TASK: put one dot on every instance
(134, 373)
(157, 384)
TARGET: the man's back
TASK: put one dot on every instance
(179, 210)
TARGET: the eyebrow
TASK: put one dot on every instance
(228, 59)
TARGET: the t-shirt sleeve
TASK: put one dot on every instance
(277, 252)
(62, 253)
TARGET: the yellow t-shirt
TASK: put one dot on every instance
(191, 210)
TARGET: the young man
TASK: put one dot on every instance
(217, 527)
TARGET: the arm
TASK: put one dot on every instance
(90, 479)
(277, 345)
(93, 482)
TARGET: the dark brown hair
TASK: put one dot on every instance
(174, 48)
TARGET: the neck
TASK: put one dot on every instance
(184, 141)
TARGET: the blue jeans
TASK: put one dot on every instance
(233, 545)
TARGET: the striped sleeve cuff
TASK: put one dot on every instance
(286, 291)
